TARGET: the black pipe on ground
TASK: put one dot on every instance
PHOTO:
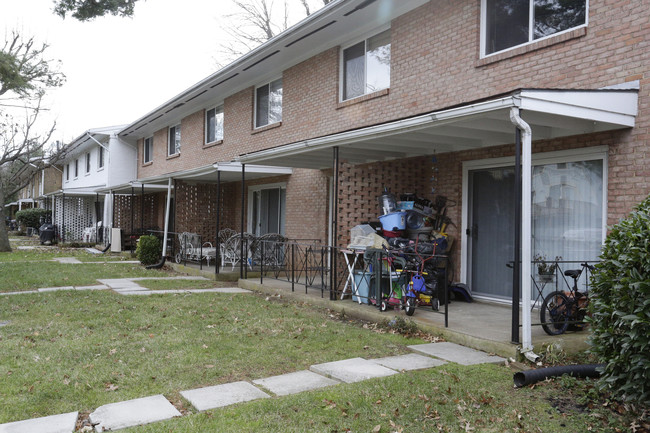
(106, 249)
(158, 265)
(528, 377)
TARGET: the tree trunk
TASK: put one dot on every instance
(5, 247)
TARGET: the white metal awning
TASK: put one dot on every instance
(550, 114)
(230, 172)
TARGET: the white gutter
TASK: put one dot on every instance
(169, 196)
(526, 229)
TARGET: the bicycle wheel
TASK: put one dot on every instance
(555, 313)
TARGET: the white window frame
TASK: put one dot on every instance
(268, 83)
(101, 154)
(169, 138)
(256, 188)
(144, 150)
(561, 156)
(87, 162)
(67, 172)
(364, 39)
(76, 168)
(218, 109)
(531, 20)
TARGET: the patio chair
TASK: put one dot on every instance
(231, 250)
(274, 250)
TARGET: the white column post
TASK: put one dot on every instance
(169, 197)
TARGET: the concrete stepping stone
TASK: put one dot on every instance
(95, 287)
(131, 413)
(55, 289)
(411, 361)
(64, 423)
(118, 284)
(223, 395)
(67, 260)
(20, 293)
(457, 353)
(352, 370)
(293, 383)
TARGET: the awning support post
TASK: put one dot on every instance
(142, 209)
(241, 238)
(63, 214)
(334, 229)
(169, 199)
(217, 250)
(516, 268)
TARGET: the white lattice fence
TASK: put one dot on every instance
(77, 214)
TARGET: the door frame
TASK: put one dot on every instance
(541, 158)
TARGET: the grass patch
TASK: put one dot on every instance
(68, 351)
(450, 398)
(20, 276)
(183, 284)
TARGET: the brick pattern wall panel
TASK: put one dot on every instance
(73, 217)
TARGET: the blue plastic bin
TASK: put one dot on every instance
(362, 280)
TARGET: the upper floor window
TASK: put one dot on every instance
(67, 171)
(174, 146)
(366, 66)
(76, 168)
(268, 103)
(100, 157)
(88, 162)
(214, 124)
(147, 150)
(507, 24)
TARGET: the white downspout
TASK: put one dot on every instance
(526, 230)
(169, 197)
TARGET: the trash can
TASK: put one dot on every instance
(362, 281)
(46, 234)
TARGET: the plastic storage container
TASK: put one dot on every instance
(393, 221)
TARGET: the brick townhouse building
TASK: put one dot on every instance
(428, 97)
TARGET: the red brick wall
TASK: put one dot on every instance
(436, 64)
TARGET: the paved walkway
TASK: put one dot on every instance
(155, 408)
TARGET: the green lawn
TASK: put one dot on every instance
(68, 351)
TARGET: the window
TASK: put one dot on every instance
(76, 168)
(100, 157)
(67, 172)
(88, 162)
(507, 24)
(174, 147)
(147, 150)
(366, 66)
(267, 207)
(268, 103)
(214, 124)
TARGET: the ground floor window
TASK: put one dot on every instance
(568, 215)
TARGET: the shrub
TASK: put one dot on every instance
(620, 307)
(149, 250)
(31, 217)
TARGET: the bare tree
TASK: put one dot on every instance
(25, 76)
(257, 21)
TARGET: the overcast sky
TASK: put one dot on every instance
(119, 69)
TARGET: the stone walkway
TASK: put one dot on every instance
(155, 408)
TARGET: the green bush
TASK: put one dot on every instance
(620, 306)
(149, 250)
(31, 217)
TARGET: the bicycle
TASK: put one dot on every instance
(566, 310)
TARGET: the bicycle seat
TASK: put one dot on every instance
(573, 273)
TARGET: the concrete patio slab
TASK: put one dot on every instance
(131, 413)
(222, 395)
(411, 361)
(55, 289)
(352, 370)
(293, 383)
(457, 353)
(64, 423)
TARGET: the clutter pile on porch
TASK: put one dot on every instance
(401, 260)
